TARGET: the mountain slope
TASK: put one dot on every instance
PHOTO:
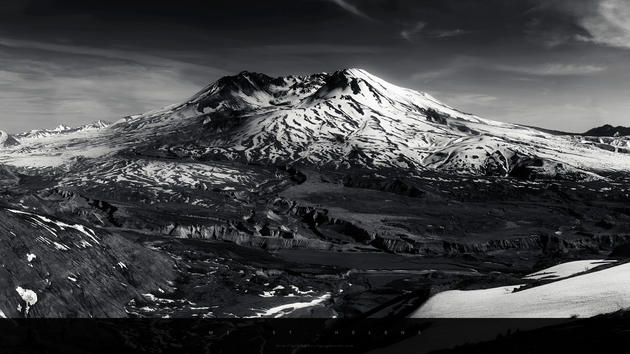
(52, 268)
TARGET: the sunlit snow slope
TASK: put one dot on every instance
(584, 295)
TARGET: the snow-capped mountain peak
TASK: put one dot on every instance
(345, 119)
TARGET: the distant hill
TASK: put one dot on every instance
(608, 130)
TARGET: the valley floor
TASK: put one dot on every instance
(248, 241)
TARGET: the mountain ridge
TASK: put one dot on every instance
(608, 130)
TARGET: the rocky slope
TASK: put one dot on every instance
(608, 130)
(52, 268)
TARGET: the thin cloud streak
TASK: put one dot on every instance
(408, 34)
(461, 64)
(125, 55)
(352, 9)
(553, 69)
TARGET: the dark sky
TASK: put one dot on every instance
(560, 64)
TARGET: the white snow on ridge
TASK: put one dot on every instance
(586, 295)
(568, 269)
(61, 130)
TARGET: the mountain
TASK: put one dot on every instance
(608, 130)
(346, 119)
(351, 118)
(325, 195)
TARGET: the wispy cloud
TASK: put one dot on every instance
(467, 64)
(408, 33)
(553, 69)
(427, 76)
(450, 67)
(448, 33)
(469, 99)
(109, 53)
(44, 85)
(351, 8)
(316, 48)
(602, 22)
(609, 24)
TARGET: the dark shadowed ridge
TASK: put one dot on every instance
(608, 130)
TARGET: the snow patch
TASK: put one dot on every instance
(585, 295)
(29, 297)
(286, 309)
